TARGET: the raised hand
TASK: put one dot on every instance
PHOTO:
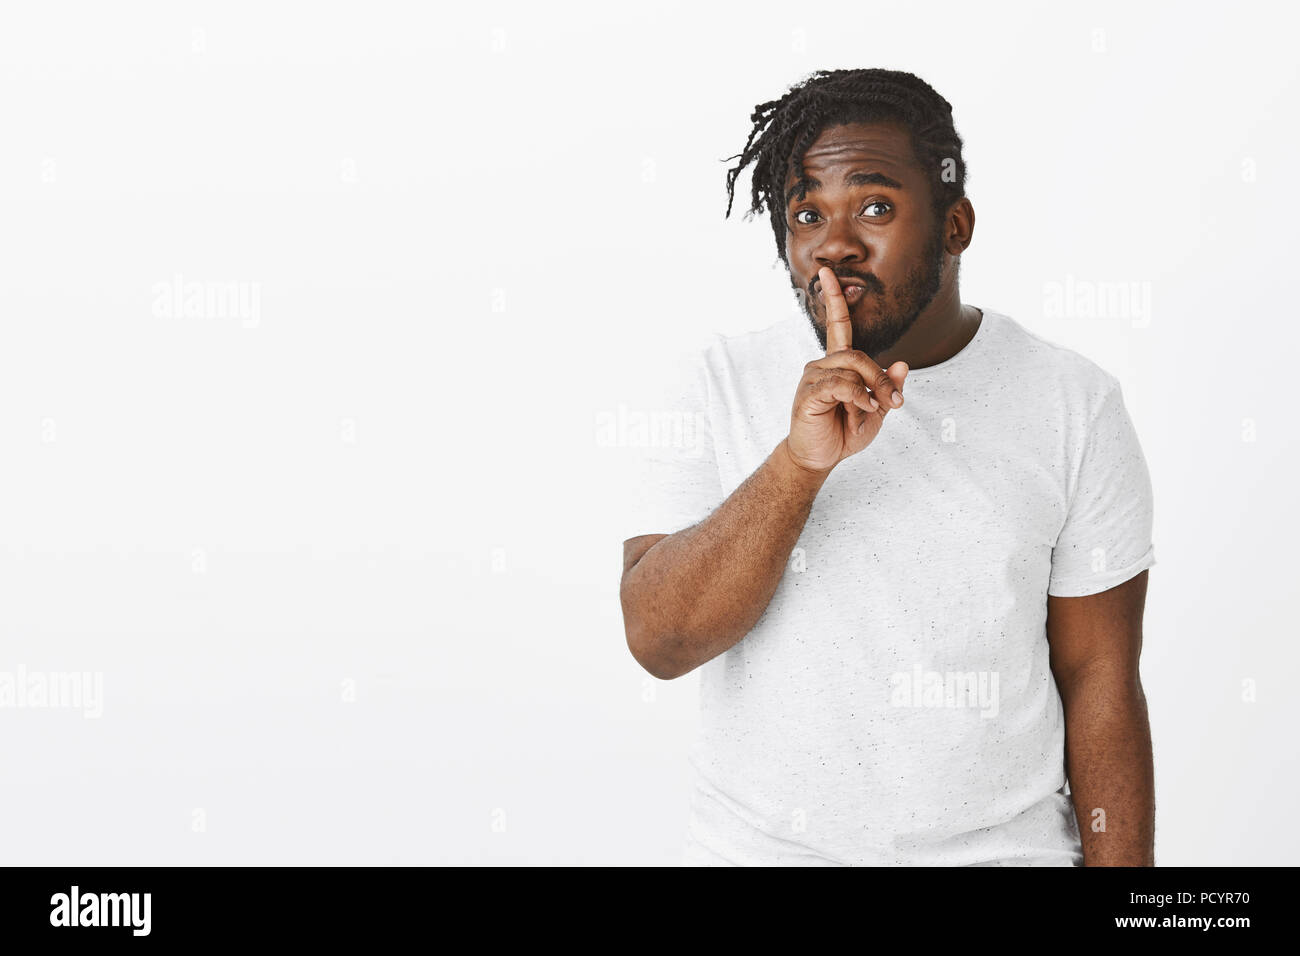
(842, 399)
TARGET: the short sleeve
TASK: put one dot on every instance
(673, 481)
(1106, 538)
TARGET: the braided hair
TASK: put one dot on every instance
(784, 129)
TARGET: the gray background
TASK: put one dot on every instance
(341, 559)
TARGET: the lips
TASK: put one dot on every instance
(846, 283)
(852, 290)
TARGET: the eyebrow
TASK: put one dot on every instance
(852, 179)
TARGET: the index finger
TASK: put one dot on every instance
(839, 329)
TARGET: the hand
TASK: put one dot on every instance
(842, 399)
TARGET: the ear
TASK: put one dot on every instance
(959, 227)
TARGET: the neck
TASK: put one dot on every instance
(943, 329)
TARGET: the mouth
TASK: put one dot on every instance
(852, 292)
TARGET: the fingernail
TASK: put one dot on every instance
(898, 399)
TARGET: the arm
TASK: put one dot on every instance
(689, 596)
(1095, 644)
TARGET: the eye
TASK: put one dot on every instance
(886, 206)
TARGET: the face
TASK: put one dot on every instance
(871, 221)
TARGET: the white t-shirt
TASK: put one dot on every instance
(894, 704)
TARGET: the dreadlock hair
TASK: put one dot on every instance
(784, 129)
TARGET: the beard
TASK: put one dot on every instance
(895, 313)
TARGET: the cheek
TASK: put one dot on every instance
(895, 259)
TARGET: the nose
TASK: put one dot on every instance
(840, 244)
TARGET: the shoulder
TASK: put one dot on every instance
(1048, 368)
(758, 353)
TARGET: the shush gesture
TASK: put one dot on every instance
(842, 399)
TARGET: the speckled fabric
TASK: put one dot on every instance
(894, 704)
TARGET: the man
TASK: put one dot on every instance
(917, 622)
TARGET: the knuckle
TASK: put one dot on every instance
(864, 364)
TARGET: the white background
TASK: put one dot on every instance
(345, 569)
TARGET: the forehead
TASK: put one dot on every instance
(860, 147)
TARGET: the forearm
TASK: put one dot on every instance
(1109, 765)
(696, 593)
